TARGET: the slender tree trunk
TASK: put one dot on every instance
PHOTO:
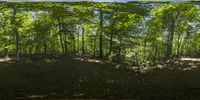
(24, 49)
(83, 41)
(52, 44)
(170, 41)
(179, 44)
(188, 43)
(57, 47)
(94, 49)
(178, 50)
(74, 44)
(119, 50)
(45, 47)
(30, 50)
(17, 46)
(71, 46)
(60, 34)
(111, 37)
(155, 53)
(101, 36)
(78, 47)
(171, 36)
(65, 40)
(5, 51)
(17, 35)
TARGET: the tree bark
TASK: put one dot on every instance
(179, 44)
(78, 42)
(171, 36)
(65, 40)
(94, 49)
(60, 34)
(170, 42)
(74, 43)
(5, 51)
(101, 36)
(17, 35)
(155, 53)
(83, 40)
(119, 49)
(111, 37)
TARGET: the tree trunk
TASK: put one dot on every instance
(171, 36)
(5, 51)
(78, 48)
(179, 44)
(83, 41)
(155, 53)
(101, 36)
(94, 49)
(170, 40)
(111, 37)
(45, 47)
(188, 43)
(119, 50)
(60, 34)
(17, 34)
(74, 43)
(30, 50)
(65, 40)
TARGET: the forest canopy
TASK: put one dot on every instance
(133, 33)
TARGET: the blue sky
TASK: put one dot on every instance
(94, 0)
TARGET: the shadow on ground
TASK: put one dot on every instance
(75, 78)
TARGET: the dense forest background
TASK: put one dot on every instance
(132, 33)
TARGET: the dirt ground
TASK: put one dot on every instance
(83, 78)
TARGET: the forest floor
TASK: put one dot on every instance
(76, 77)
